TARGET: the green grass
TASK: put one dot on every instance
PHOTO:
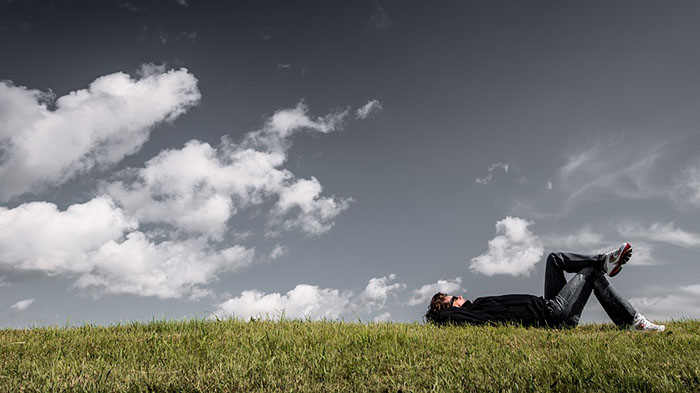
(226, 356)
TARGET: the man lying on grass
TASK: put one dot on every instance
(562, 303)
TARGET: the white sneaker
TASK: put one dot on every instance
(641, 324)
(615, 259)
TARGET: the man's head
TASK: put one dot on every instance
(441, 301)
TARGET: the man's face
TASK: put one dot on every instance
(454, 301)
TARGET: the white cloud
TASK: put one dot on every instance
(314, 214)
(37, 236)
(423, 294)
(198, 188)
(311, 301)
(169, 269)
(377, 291)
(658, 232)
(549, 185)
(22, 304)
(278, 252)
(372, 107)
(87, 241)
(184, 198)
(487, 179)
(304, 301)
(94, 127)
(515, 250)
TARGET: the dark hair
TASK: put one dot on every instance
(437, 304)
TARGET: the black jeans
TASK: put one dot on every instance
(566, 300)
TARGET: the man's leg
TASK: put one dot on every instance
(567, 305)
(560, 262)
(620, 311)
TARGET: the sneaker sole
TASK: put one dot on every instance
(621, 261)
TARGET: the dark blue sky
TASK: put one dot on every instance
(591, 107)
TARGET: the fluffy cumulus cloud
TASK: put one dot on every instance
(301, 206)
(160, 230)
(38, 236)
(169, 269)
(97, 243)
(163, 229)
(198, 188)
(314, 302)
(22, 305)
(42, 146)
(514, 251)
(423, 294)
(372, 107)
(377, 292)
(304, 301)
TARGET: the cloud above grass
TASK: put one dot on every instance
(313, 302)
(303, 301)
(163, 229)
(514, 251)
(423, 294)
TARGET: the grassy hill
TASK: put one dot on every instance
(212, 356)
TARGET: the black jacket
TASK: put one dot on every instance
(528, 310)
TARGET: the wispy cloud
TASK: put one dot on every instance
(278, 252)
(379, 18)
(514, 251)
(658, 232)
(670, 303)
(22, 305)
(686, 184)
(617, 168)
(487, 179)
(372, 107)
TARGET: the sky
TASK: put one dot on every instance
(175, 159)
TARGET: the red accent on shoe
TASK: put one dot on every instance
(620, 260)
